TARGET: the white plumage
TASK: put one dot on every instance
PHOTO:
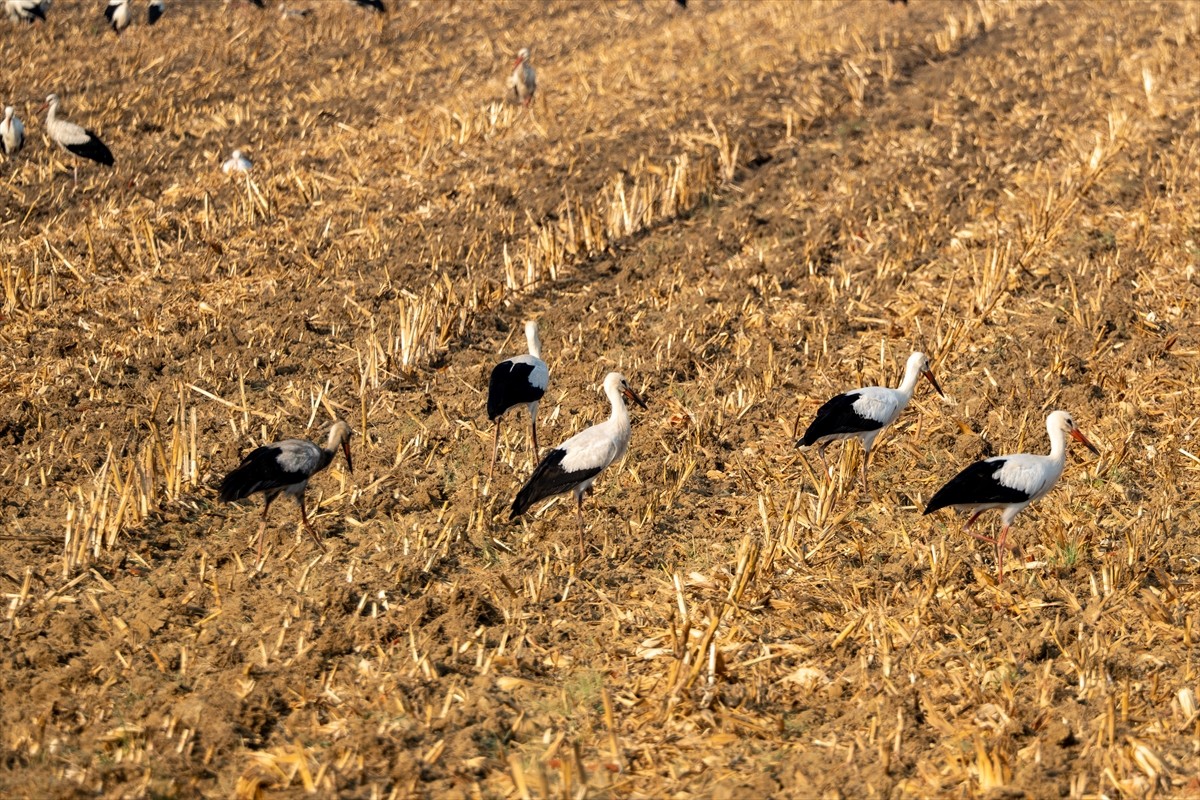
(236, 163)
(520, 380)
(26, 10)
(75, 138)
(575, 464)
(1009, 482)
(117, 14)
(863, 413)
(523, 80)
(12, 132)
(285, 468)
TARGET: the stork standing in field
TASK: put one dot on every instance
(12, 132)
(285, 468)
(523, 80)
(117, 14)
(520, 380)
(26, 10)
(1009, 482)
(75, 138)
(236, 163)
(575, 464)
(863, 413)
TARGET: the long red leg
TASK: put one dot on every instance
(307, 526)
(1000, 555)
(262, 526)
(979, 536)
(495, 450)
(579, 512)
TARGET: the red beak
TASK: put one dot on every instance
(1083, 440)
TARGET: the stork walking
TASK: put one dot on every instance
(26, 10)
(75, 138)
(236, 163)
(863, 413)
(523, 80)
(1009, 482)
(575, 464)
(520, 380)
(285, 468)
(12, 132)
(117, 14)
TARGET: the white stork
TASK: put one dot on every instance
(117, 14)
(1009, 482)
(863, 413)
(520, 380)
(523, 80)
(575, 464)
(12, 132)
(155, 10)
(285, 468)
(26, 10)
(236, 163)
(75, 138)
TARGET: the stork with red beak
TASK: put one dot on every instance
(1009, 482)
(523, 80)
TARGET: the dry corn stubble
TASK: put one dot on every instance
(743, 230)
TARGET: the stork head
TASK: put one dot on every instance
(615, 383)
(236, 155)
(9, 111)
(51, 102)
(339, 436)
(919, 362)
(532, 338)
(1061, 420)
(522, 56)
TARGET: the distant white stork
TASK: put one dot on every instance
(236, 163)
(26, 10)
(117, 14)
(75, 138)
(575, 464)
(863, 413)
(1009, 482)
(285, 468)
(12, 132)
(155, 10)
(523, 80)
(520, 380)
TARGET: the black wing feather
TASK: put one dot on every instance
(154, 12)
(837, 415)
(509, 386)
(976, 485)
(258, 472)
(548, 480)
(93, 149)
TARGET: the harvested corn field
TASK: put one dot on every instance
(745, 208)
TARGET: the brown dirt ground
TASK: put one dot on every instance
(1014, 188)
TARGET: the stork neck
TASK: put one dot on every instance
(619, 413)
(1058, 443)
(535, 344)
(907, 386)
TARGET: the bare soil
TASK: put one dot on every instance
(745, 207)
